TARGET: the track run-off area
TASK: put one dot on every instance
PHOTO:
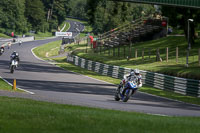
(53, 84)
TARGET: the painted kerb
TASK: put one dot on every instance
(160, 81)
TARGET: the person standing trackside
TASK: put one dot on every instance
(9, 45)
(20, 42)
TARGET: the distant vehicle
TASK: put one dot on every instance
(1, 50)
(20, 42)
(14, 61)
(13, 65)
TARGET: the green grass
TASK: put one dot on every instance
(21, 115)
(169, 68)
(52, 49)
(4, 36)
(6, 86)
(66, 27)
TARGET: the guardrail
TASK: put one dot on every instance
(179, 85)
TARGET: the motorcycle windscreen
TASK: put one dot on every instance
(131, 85)
(14, 62)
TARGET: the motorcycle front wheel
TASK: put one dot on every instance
(127, 95)
(12, 69)
(117, 92)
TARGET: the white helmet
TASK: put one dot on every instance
(137, 72)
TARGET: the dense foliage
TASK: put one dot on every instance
(22, 16)
(178, 17)
(105, 15)
(38, 15)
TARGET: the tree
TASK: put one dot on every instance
(178, 16)
(12, 15)
(105, 15)
(35, 14)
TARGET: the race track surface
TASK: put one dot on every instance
(53, 84)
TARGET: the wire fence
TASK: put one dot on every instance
(173, 55)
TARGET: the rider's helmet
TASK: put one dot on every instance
(15, 53)
(137, 72)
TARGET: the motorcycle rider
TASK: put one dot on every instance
(14, 56)
(1, 49)
(20, 42)
(133, 76)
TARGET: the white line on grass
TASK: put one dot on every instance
(17, 87)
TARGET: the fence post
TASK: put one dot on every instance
(113, 51)
(100, 47)
(118, 51)
(158, 58)
(176, 54)
(136, 53)
(143, 54)
(167, 54)
(124, 51)
(149, 53)
(199, 57)
(130, 50)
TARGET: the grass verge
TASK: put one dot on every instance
(32, 116)
(171, 67)
(4, 36)
(6, 86)
(48, 50)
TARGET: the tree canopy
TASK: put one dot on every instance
(38, 15)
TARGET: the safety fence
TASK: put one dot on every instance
(179, 85)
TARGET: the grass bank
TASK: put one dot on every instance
(6, 86)
(4, 35)
(149, 63)
(33, 116)
(48, 50)
(66, 27)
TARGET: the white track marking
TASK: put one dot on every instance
(17, 87)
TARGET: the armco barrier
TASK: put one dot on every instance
(160, 81)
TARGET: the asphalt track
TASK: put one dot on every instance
(53, 84)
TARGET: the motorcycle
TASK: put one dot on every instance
(13, 65)
(125, 90)
(1, 51)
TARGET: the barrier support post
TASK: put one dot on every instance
(176, 54)
(199, 57)
(167, 54)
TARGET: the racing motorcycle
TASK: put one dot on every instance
(13, 65)
(1, 51)
(125, 90)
